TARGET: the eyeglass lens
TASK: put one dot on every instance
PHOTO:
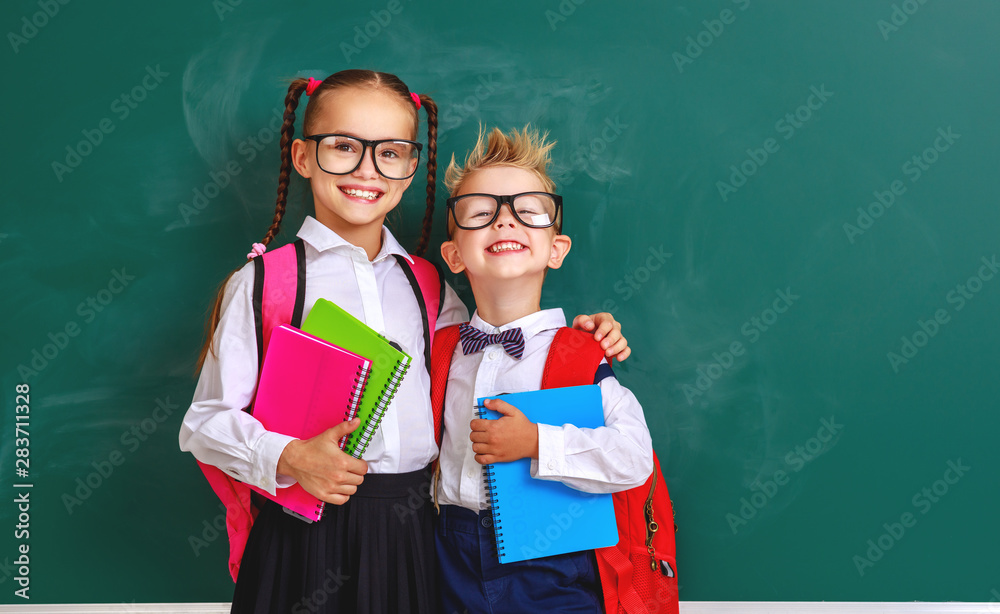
(532, 210)
(342, 154)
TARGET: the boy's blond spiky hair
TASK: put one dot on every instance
(526, 149)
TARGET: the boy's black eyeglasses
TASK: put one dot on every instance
(340, 154)
(531, 209)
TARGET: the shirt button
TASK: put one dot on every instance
(487, 521)
(471, 474)
(493, 355)
(552, 465)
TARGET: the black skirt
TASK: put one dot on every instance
(371, 555)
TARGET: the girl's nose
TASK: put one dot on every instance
(367, 168)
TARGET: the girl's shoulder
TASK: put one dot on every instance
(240, 282)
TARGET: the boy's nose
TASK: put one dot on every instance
(506, 217)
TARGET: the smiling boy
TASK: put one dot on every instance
(504, 224)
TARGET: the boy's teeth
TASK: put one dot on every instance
(366, 194)
(505, 246)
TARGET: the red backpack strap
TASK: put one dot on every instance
(631, 579)
(573, 359)
(637, 577)
(444, 349)
(426, 281)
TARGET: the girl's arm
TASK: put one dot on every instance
(604, 326)
(608, 331)
(217, 430)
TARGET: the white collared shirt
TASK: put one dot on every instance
(217, 430)
(602, 460)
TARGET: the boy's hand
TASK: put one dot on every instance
(509, 438)
(321, 467)
(606, 330)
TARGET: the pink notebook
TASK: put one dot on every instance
(307, 385)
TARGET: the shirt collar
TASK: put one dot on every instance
(530, 325)
(322, 239)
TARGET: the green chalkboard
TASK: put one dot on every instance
(790, 206)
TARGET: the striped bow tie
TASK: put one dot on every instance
(474, 340)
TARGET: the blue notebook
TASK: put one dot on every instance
(536, 518)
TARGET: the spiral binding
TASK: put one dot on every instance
(314, 517)
(357, 390)
(320, 510)
(384, 398)
(489, 480)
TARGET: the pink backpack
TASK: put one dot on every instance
(278, 298)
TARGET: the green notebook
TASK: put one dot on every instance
(389, 364)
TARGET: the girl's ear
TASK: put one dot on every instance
(560, 247)
(452, 257)
(300, 149)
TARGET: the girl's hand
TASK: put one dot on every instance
(606, 330)
(321, 467)
(507, 439)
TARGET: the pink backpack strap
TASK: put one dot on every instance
(278, 298)
(279, 292)
(240, 512)
(426, 281)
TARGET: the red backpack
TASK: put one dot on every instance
(638, 574)
(279, 298)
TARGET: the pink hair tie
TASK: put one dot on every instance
(312, 85)
(256, 250)
(416, 99)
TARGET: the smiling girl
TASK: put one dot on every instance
(359, 154)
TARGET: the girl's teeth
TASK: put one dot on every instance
(366, 194)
